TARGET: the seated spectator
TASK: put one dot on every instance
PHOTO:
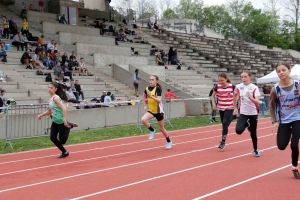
(66, 70)
(17, 41)
(169, 95)
(79, 90)
(124, 22)
(73, 65)
(72, 85)
(5, 28)
(122, 35)
(62, 20)
(2, 101)
(71, 96)
(45, 59)
(150, 25)
(159, 60)
(25, 41)
(81, 67)
(41, 41)
(175, 61)
(58, 72)
(31, 7)
(37, 61)
(107, 100)
(164, 56)
(3, 52)
(156, 27)
(27, 60)
(103, 96)
(52, 56)
(50, 46)
(57, 57)
(65, 58)
(38, 49)
(13, 27)
(2, 77)
(73, 56)
(133, 23)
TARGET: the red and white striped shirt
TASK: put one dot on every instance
(225, 96)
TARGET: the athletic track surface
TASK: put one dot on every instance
(136, 168)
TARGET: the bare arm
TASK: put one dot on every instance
(47, 112)
(235, 98)
(213, 99)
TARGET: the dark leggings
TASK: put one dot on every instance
(63, 135)
(284, 136)
(226, 118)
(242, 124)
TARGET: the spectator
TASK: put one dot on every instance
(24, 9)
(73, 65)
(41, 41)
(65, 58)
(25, 27)
(159, 60)
(2, 101)
(25, 41)
(46, 60)
(62, 20)
(37, 61)
(52, 56)
(17, 41)
(107, 100)
(41, 5)
(136, 82)
(164, 56)
(62, 84)
(81, 67)
(133, 23)
(79, 90)
(72, 85)
(124, 22)
(102, 97)
(66, 70)
(50, 46)
(31, 7)
(71, 96)
(27, 60)
(73, 56)
(2, 78)
(156, 26)
(57, 58)
(169, 95)
(213, 112)
(3, 52)
(170, 54)
(5, 28)
(13, 27)
(58, 72)
(38, 49)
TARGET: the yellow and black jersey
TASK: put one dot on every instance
(153, 106)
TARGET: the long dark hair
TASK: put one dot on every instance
(157, 84)
(273, 96)
(60, 91)
(224, 75)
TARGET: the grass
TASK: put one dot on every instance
(101, 134)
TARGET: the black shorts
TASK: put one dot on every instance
(158, 116)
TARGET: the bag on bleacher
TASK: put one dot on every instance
(48, 78)
(11, 101)
(39, 72)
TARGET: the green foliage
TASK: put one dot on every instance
(169, 14)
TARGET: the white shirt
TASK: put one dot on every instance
(247, 107)
(107, 100)
(50, 46)
(35, 58)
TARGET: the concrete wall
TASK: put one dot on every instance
(71, 38)
(159, 71)
(295, 54)
(145, 76)
(93, 14)
(93, 118)
(95, 5)
(35, 3)
(211, 33)
(197, 107)
(53, 28)
(33, 16)
(88, 49)
(102, 60)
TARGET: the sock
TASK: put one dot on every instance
(224, 138)
(168, 139)
(293, 167)
(151, 129)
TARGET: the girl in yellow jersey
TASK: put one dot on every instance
(25, 27)
(5, 28)
(153, 94)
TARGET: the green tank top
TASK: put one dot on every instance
(57, 113)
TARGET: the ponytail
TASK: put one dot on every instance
(60, 91)
(159, 85)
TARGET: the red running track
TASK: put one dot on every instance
(136, 168)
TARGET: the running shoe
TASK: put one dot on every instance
(296, 173)
(222, 145)
(169, 145)
(63, 155)
(151, 136)
(256, 153)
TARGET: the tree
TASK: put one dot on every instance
(169, 14)
(190, 9)
(271, 7)
(146, 6)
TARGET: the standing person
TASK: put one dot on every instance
(59, 118)
(155, 109)
(169, 95)
(25, 27)
(224, 91)
(213, 112)
(284, 110)
(136, 82)
(41, 5)
(5, 28)
(248, 95)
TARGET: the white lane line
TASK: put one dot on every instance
(123, 166)
(242, 182)
(102, 141)
(165, 175)
(119, 145)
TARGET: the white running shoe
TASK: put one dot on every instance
(169, 145)
(151, 136)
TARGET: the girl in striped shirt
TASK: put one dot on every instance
(224, 91)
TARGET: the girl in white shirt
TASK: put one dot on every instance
(248, 94)
(83, 69)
